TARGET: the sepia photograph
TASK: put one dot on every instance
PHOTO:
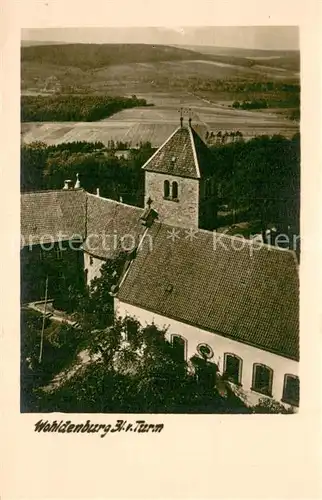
(160, 220)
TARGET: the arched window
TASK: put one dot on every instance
(262, 379)
(175, 190)
(166, 189)
(291, 390)
(232, 368)
(179, 346)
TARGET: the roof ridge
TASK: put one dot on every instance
(114, 201)
(37, 191)
(199, 137)
(194, 151)
(234, 237)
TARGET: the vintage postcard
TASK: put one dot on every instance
(161, 179)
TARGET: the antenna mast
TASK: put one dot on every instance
(43, 323)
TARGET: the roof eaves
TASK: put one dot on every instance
(216, 332)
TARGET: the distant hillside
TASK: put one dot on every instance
(31, 43)
(236, 51)
(286, 59)
(86, 56)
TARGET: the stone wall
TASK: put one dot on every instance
(185, 211)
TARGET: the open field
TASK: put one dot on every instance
(155, 124)
(145, 77)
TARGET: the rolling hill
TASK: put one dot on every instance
(134, 68)
(86, 56)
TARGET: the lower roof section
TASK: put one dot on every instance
(219, 284)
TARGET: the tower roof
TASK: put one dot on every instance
(184, 154)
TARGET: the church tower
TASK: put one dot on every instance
(180, 181)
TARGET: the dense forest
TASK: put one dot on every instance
(260, 178)
(74, 108)
(46, 167)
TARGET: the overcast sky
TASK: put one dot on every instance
(250, 37)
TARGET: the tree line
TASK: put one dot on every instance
(240, 86)
(46, 167)
(74, 108)
(292, 100)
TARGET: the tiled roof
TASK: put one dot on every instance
(183, 154)
(52, 215)
(111, 226)
(250, 297)
(106, 224)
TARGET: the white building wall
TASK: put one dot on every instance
(93, 267)
(220, 345)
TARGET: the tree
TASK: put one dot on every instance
(262, 176)
(136, 369)
(33, 160)
(60, 346)
(267, 405)
(95, 308)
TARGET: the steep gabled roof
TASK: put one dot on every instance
(104, 225)
(52, 216)
(206, 281)
(111, 226)
(184, 154)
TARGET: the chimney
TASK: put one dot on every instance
(181, 121)
(190, 121)
(97, 191)
(121, 199)
(67, 184)
(77, 184)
